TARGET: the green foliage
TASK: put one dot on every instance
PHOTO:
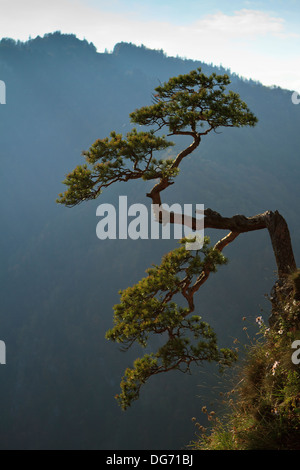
(116, 159)
(181, 104)
(148, 308)
(295, 277)
(265, 415)
(195, 99)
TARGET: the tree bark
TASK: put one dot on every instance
(237, 224)
(281, 243)
(272, 221)
(276, 225)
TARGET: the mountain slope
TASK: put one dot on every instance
(59, 282)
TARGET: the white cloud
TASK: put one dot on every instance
(242, 23)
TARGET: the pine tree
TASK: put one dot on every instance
(191, 105)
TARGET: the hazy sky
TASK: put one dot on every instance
(256, 39)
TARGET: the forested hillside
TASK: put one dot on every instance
(59, 282)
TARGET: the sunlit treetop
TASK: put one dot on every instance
(191, 104)
(195, 103)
